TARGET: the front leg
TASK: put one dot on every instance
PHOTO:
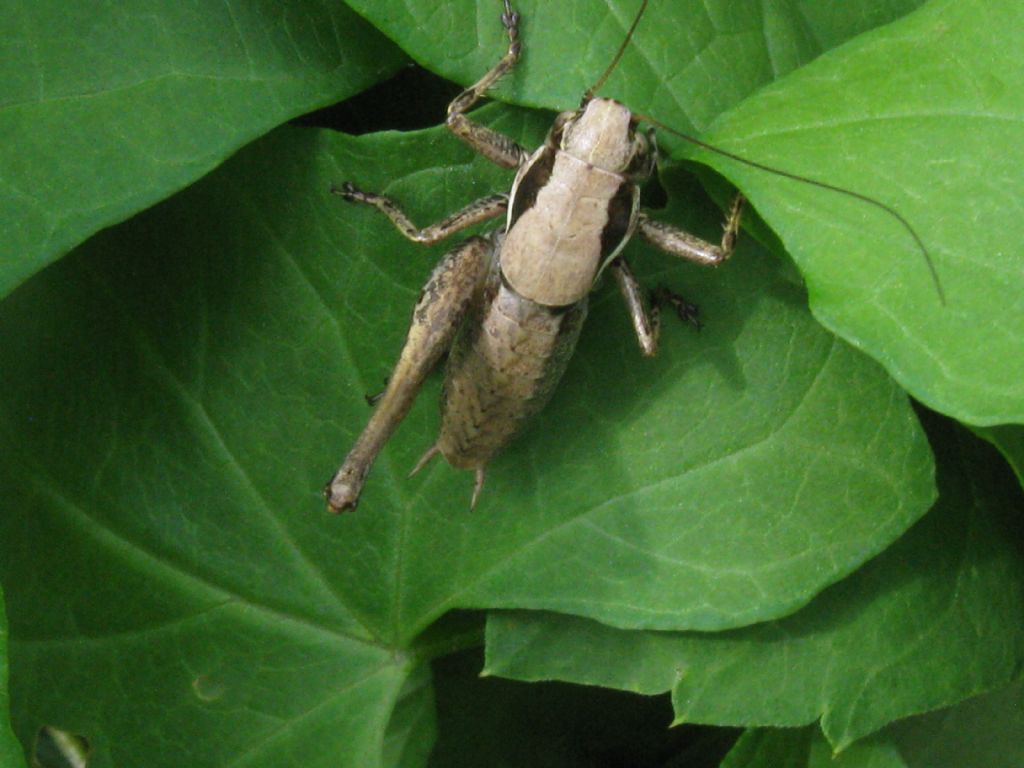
(681, 243)
(480, 210)
(449, 293)
(495, 146)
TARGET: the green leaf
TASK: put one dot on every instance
(687, 63)
(771, 748)
(873, 752)
(108, 108)
(412, 729)
(925, 115)
(647, 477)
(178, 390)
(1009, 440)
(11, 755)
(805, 748)
(933, 620)
(983, 732)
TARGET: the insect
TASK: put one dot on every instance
(507, 307)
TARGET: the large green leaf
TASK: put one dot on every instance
(106, 108)
(178, 390)
(926, 115)
(930, 622)
(10, 749)
(646, 478)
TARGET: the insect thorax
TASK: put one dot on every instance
(574, 203)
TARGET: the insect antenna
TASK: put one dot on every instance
(589, 94)
(815, 183)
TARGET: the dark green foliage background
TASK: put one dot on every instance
(753, 522)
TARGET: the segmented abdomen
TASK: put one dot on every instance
(502, 369)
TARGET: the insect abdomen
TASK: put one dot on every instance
(502, 370)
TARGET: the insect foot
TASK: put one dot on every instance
(347, 191)
(687, 312)
(446, 299)
(342, 492)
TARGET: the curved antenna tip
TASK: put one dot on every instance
(929, 262)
